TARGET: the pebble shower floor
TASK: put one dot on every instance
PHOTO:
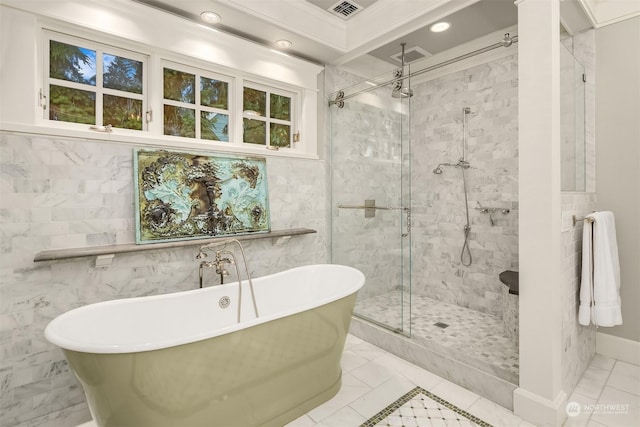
(472, 337)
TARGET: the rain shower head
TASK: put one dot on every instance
(398, 90)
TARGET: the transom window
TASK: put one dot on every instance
(196, 103)
(95, 84)
(267, 116)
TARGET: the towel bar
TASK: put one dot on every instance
(585, 218)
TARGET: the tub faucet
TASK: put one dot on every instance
(222, 258)
(203, 265)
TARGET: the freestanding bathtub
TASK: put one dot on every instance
(182, 360)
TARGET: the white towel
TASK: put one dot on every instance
(600, 284)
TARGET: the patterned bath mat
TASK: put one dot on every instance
(420, 408)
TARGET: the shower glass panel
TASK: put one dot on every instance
(572, 125)
(370, 179)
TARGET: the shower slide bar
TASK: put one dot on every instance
(507, 41)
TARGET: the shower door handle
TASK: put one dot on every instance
(370, 211)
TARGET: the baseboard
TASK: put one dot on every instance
(538, 410)
(618, 348)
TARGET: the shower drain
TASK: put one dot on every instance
(441, 325)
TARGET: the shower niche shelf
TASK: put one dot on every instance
(107, 252)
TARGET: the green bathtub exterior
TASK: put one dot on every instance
(265, 375)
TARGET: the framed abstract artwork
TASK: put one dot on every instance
(181, 196)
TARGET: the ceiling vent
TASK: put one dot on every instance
(411, 55)
(345, 9)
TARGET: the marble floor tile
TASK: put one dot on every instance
(344, 417)
(602, 362)
(592, 382)
(419, 408)
(602, 396)
(494, 414)
(352, 341)
(617, 408)
(625, 377)
(375, 400)
(373, 373)
(352, 388)
(395, 363)
(368, 351)
(303, 421)
(581, 418)
(461, 397)
(422, 377)
(351, 361)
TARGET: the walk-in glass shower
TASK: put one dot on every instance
(424, 202)
(370, 191)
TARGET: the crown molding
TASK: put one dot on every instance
(397, 19)
(300, 17)
(606, 12)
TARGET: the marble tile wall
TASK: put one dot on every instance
(491, 91)
(366, 156)
(571, 104)
(438, 200)
(584, 49)
(366, 166)
(578, 161)
(578, 342)
(61, 193)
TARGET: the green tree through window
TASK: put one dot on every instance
(74, 86)
(195, 110)
(266, 127)
(122, 74)
(72, 63)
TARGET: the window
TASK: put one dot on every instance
(267, 116)
(174, 99)
(95, 84)
(195, 104)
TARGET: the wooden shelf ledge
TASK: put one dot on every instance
(60, 254)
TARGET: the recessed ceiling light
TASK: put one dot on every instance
(438, 27)
(283, 44)
(210, 17)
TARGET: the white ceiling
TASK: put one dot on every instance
(325, 38)
(379, 28)
(470, 23)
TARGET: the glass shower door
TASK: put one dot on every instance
(370, 200)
